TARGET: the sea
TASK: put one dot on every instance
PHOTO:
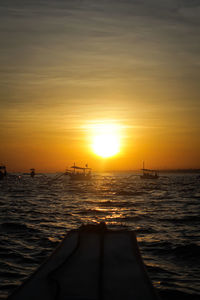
(36, 213)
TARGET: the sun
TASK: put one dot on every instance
(105, 139)
(105, 145)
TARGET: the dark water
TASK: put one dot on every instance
(35, 215)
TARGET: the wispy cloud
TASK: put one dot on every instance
(50, 50)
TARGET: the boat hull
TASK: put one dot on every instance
(91, 263)
(79, 177)
(148, 177)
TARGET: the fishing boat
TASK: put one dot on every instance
(149, 174)
(92, 262)
(3, 172)
(79, 173)
(32, 172)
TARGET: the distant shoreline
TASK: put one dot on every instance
(160, 171)
(180, 171)
(138, 171)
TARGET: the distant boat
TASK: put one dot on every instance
(3, 172)
(149, 174)
(79, 173)
(32, 173)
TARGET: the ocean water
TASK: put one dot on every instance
(36, 213)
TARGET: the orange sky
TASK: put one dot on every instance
(68, 66)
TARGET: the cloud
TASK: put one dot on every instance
(88, 44)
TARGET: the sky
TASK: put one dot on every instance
(69, 65)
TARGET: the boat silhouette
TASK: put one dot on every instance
(79, 173)
(149, 173)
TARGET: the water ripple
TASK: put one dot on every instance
(36, 215)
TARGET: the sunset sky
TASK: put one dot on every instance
(69, 67)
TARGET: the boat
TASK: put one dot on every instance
(149, 174)
(3, 172)
(32, 172)
(92, 262)
(79, 173)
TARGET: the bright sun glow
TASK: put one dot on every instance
(106, 145)
(106, 140)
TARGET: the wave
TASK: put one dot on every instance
(116, 204)
(130, 218)
(15, 227)
(175, 294)
(156, 270)
(144, 230)
(91, 212)
(189, 251)
(184, 220)
(129, 193)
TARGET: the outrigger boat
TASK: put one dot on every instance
(92, 262)
(32, 173)
(149, 174)
(79, 173)
(3, 172)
